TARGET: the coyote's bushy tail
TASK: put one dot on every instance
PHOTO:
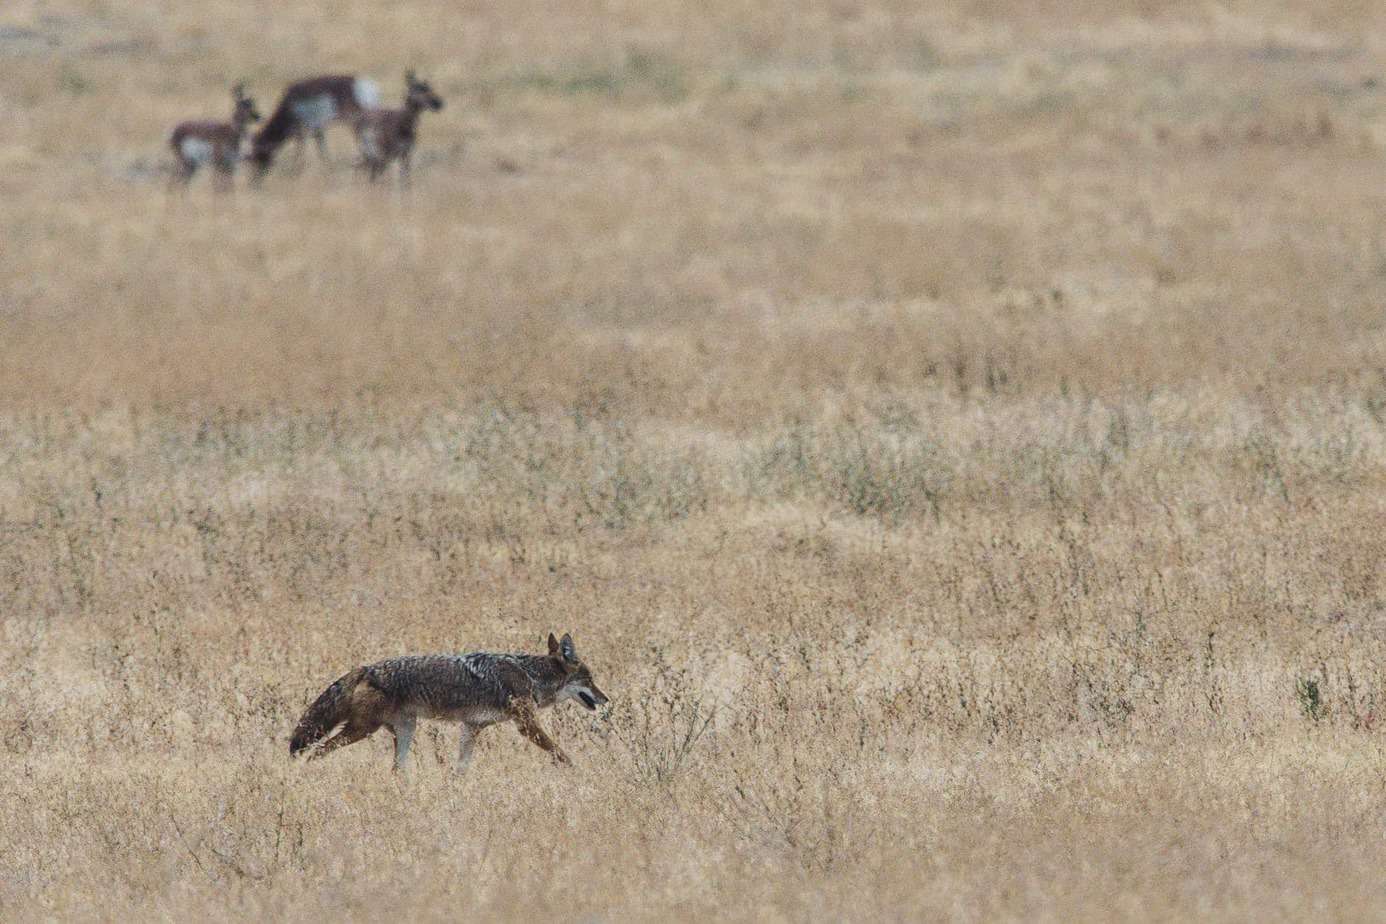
(272, 134)
(327, 712)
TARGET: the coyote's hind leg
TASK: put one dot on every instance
(467, 739)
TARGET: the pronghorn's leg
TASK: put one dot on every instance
(320, 136)
(405, 167)
(403, 729)
(350, 734)
(363, 161)
(182, 173)
(364, 146)
(529, 727)
(222, 178)
(464, 748)
(300, 143)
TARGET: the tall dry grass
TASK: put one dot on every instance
(954, 436)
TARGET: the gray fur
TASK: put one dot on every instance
(477, 689)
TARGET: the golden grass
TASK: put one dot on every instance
(954, 436)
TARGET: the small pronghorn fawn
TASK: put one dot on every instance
(477, 690)
(307, 108)
(215, 143)
(387, 135)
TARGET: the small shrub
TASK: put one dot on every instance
(1310, 698)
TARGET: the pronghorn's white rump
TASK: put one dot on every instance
(367, 93)
(196, 150)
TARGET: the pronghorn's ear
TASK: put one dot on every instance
(566, 648)
(553, 646)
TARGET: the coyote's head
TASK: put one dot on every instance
(577, 679)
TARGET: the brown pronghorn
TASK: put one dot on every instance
(387, 135)
(215, 143)
(307, 107)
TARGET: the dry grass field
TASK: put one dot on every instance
(954, 434)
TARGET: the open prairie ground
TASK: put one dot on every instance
(954, 434)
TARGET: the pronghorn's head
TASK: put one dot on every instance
(577, 679)
(245, 111)
(418, 95)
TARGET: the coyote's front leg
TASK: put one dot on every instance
(464, 747)
(403, 729)
(524, 715)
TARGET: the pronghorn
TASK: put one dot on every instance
(217, 143)
(306, 108)
(387, 135)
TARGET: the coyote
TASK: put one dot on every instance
(477, 689)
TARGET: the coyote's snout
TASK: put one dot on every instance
(477, 690)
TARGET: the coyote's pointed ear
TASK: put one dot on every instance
(567, 649)
(409, 76)
(553, 647)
